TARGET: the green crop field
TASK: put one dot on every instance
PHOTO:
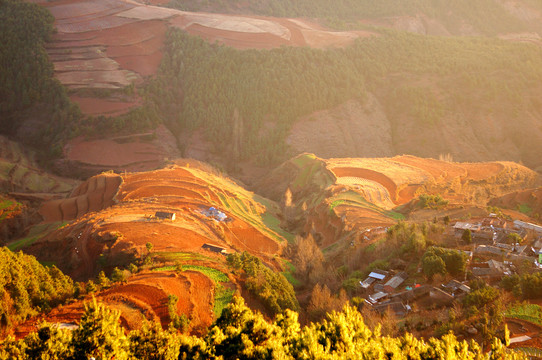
(352, 198)
(527, 312)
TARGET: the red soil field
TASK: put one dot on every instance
(530, 197)
(95, 194)
(482, 171)
(111, 153)
(128, 211)
(164, 236)
(144, 65)
(144, 296)
(157, 190)
(125, 35)
(253, 240)
(434, 167)
(97, 106)
(373, 176)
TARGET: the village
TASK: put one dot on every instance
(494, 247)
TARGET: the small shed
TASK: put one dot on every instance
(367, 282)
(440, 297)
(397, 307)
(376, 297)
(165, 215)
(215, 248)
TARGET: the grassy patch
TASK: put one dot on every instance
(272, 222)
(7, 207)
(303, 159)
(35, 233)
(330, 248)
(6, 204)
(22, 243)
(334, 204)
(352, 198)
(223, 296)
(178, 256)
(213, 274)
(525, 209)
(251, 216)
(289, 273)
(527, 312)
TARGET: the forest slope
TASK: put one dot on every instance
(462, 17)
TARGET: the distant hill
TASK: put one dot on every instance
(377, 92)
(462, 17)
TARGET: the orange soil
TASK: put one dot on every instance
(530, 197)
(162, 235)
(482, 171)
(126, 211)
(249, 238)
(161, 190)
(162, 174)
(434, 167)
(145, 296)
(126, 35)
(111, 153)
(95, 194)
(96, 106)
(373, 176)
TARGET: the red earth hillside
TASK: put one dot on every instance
(120, 226)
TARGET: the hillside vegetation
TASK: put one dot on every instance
(447, 89)
(30, 98)
(239, 333)
(487, 17)
(28, 288)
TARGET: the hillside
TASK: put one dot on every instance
(112, 218)
(486, 17)
(474, 98)
(340, 198)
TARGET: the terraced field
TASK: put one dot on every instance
(110, 44)
(109, 220)
(405, 176)
(338, 199)
(19, 172)
(116, 215)
(145, 296)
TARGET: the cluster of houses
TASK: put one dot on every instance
(491, 241)
(385, 296)
(491, 238)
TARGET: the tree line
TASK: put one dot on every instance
(28, 288)
(240, 333)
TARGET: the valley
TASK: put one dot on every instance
(243, 180)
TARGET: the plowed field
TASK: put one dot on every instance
(145, 296)
(128, 210)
